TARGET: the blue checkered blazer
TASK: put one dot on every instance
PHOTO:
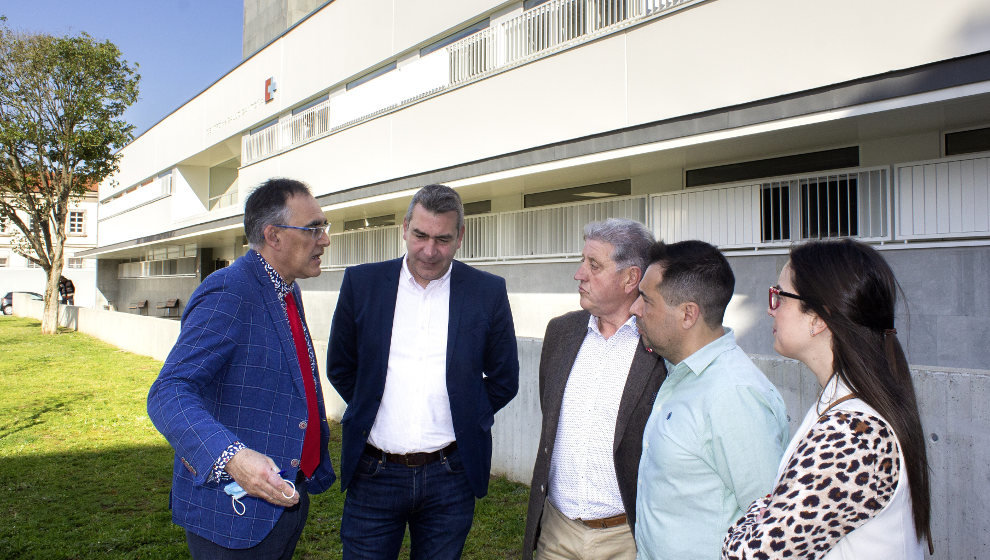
(233, 375)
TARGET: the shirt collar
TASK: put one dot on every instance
(629, 325)
(703, 357)
(281, 288)
(406, 276)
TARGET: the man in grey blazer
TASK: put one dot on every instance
(597, 385)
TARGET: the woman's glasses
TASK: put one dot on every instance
(775, 295)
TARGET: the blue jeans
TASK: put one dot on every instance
(435, 500)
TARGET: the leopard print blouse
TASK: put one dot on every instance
(843, 473)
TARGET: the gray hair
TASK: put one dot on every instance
(631, 241)
(267, 206)
(438, 199)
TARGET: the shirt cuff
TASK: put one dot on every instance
(218, 473)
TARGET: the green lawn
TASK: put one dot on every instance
(84, 474)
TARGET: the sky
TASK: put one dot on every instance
(181, 46)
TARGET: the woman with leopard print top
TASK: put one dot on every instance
(854, 480)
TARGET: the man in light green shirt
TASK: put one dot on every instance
(718, 427)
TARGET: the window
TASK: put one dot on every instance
(376, 221)
(578, 194)
(4, 262)
(828, 207)
(76, 222)
(967, 142)
(776, 215)
(32, 264)
(74, 262)
(453, 37)
(312, 103)
(371, 75)
(478, 207)
(774, 167)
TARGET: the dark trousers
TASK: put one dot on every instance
(278, 545)
(435, 500)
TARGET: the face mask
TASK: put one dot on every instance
(236, 493)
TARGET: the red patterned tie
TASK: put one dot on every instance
(311, 443)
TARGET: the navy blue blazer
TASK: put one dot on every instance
(482, 362)
(233, 375)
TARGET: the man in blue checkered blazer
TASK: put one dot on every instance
(239, 397)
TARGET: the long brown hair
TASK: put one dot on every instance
(852, 288)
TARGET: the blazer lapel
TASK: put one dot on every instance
(458, 300)
(281, 324)
(386, 310)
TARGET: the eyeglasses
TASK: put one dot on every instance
(775, 295)
(316, 231)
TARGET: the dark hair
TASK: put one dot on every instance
(631, 241)
(695, 271)
(266, 206)
(438, 199)
(852, 288)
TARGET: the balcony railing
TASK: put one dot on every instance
(223, 200)
(846, 203)
(947, 198)
(159, 188)
(550, 231)
(944, 199)
(538, 32)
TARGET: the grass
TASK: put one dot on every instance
(84, 474)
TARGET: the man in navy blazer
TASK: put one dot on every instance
(239, 396)
(423, 350)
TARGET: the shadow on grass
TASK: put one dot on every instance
(35, 419)
(110, 503)
(113, 503)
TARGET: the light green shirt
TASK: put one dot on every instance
(711, 446)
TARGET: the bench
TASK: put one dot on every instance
(170, 308)
(142, 304)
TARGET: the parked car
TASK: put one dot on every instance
(7, 303)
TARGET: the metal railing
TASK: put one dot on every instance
(159, 188)
(557, 230)
(948, 198)
(537, 32)
(853, 203)
(549, 231)
(223, 200)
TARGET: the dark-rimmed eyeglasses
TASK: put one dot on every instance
(316, 231)
(775, 295)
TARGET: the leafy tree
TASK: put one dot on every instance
(61, 106)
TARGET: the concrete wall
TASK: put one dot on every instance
(148, 336)
(942, 318)
(954, 414)
(953, 405)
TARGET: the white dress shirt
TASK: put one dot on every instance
(582, 469)
(414, 415)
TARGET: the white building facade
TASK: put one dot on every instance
(750, 125)
(18, 274)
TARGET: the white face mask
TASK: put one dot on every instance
(236, 493)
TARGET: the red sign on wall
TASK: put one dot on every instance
(270, 89)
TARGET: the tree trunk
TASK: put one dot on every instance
(49, 318)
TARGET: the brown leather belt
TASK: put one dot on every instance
(606, 523)
(410, 459)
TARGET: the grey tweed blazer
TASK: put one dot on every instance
(561, 344)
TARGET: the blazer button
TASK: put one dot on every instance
(543, 489)
(294, 462)
(302, 425)
(546, 450)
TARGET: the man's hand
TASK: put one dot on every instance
(258, 476)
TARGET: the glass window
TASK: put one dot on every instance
(76, 222)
